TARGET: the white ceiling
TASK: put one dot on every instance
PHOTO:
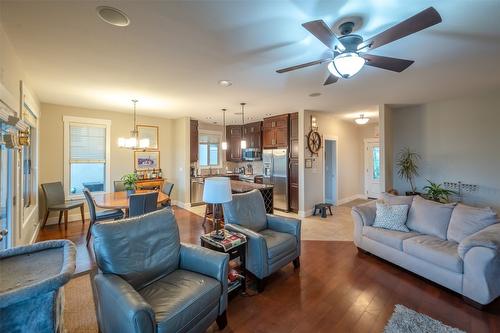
(173, 54)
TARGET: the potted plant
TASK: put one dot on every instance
(407, 164)
(436, 193)
(129, 181)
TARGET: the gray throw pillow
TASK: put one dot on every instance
(392, 217)
(467, 220)
(429, 217)
(392, 199)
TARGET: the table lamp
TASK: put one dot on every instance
(216, 191)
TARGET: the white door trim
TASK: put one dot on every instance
(365, 162)
(336, 139)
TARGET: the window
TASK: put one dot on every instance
(86, 155)
(376, 163)
(209, 149)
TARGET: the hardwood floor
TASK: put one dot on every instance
(336, 289)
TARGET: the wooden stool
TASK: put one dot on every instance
(322, 208)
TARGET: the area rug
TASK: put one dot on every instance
(405, 320)
(79, 310)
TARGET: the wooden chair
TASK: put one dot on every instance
(55, 201)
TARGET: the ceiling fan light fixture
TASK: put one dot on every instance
(362, 120)
(345, 65)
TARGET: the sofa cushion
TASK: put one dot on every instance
(440, 252)
(181, 298)
(279, 244)
(466, 220)
(392, 217)
(387, 237)
(392, 199)
(429, 217)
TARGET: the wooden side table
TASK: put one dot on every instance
(237, 251)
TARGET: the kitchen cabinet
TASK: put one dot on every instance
(233, 136)
(275, 132)
(253, 135)
(293, 169)
(193, 133)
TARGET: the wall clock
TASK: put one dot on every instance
(313, 142)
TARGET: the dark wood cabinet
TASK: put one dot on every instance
(293, 170)
(193, 132)
(233, 136)
(253, 135)
(275, 132)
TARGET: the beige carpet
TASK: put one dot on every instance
(79, 310)
(338, 227)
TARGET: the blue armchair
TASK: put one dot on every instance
(150, 282)
(273, 241)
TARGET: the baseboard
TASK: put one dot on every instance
(305, 213)
(351, 198)
(181, 204)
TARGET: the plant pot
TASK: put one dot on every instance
(409, 193)
(129, 192)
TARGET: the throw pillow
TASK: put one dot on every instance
(466, 220)
(392, 217)
(392, 199)
(429, 217)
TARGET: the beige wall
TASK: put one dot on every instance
(459, 140)
(349, 154)
(172, 144)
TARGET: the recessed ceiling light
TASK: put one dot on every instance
(316, 94)
(225, 83)
(113, 16)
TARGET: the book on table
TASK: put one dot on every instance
(231, 239)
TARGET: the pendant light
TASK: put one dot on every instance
(243, 141)
(361, 120)
(224, 142)
(133, 141)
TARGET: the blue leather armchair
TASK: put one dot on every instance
(272, 241)
(150, 282)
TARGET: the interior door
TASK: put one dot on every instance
(372, 168)
(6, 188)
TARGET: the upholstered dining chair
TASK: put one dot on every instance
(272, 241)
(55, 201)
(97, 216)
(119, 186)
(149, 281)
(167, 189)
(142, 203)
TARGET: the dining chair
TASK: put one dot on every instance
(167, 189)
(142, 203)
(119, 185)
(55, 201)
(97, 216)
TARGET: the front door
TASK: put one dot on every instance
(372, 168)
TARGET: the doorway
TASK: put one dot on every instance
(372, 168)
(330, 176)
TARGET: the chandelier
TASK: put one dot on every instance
(133, 141)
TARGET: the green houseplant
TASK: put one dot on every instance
(407, 164)
(129, 181)
(436, 193)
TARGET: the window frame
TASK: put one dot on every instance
(68, 120)
(219, 148)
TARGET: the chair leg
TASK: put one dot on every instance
(60, 217)
(89, 234)
(45, 218)
(296, 262)
(330, 209)
(66, 220)
(222, 320)
(83, 214)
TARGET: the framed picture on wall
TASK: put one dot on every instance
(148, 132)
(146, 160)
(309, 163)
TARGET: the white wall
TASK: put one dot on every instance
(459, 140)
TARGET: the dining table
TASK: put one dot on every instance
(120, 200)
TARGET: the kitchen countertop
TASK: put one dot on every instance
(226, 175)
(239, 186)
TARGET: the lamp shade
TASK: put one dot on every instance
(217, 190)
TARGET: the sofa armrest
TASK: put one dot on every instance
(121, 308)
(256, 256)
(284, 224)
(489, 237)
(365, 213)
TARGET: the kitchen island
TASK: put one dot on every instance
(238, 186)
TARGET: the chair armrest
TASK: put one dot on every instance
(284, 224)
(121, 308)
(365, 213)
(489, 237)
(205, 261)
(256, 261)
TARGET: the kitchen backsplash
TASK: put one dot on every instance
(257, 166)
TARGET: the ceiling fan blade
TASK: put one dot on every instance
(330, 79)
(322, 32)
(307, 64)
(391, 64)
(422, 20)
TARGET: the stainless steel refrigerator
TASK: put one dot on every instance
(276, 173)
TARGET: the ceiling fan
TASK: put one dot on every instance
(348, 50)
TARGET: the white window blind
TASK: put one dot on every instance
(87, 143)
